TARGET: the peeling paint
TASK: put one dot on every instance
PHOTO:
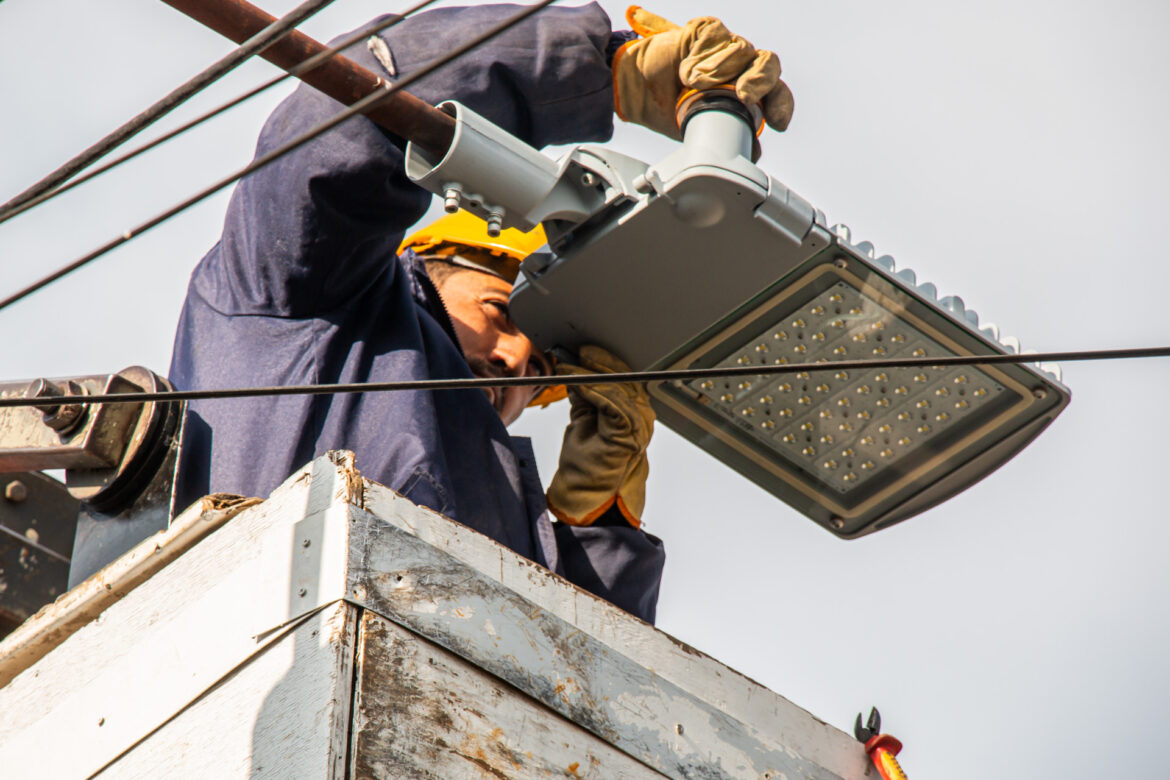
(423, 713)
(619, 700)
(353, 486)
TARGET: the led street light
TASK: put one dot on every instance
(703, 260)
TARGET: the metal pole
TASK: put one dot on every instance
(339, 77)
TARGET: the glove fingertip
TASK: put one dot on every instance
(601, 360)
(778, 106)
(647, 23)
(568, 369)
(759, 78)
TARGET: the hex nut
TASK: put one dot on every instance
(65, 417)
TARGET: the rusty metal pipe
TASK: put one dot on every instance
(338, 77)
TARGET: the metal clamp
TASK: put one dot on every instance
(501, 179)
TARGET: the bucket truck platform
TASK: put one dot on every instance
(336, 630)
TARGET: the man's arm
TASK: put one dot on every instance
(306, 233)
(615, 561)
(599, 489)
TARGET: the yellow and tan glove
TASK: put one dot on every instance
(603, 457)
(651, 73)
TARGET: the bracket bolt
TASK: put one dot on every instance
(495, 222)
(63, 417)
(1039, 393)
(589, 179)
(451, 198)
(15, 491)
(837, 523)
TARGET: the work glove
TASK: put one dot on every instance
(603, 457)
(651, 74)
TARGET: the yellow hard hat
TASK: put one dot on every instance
(500, 255)
(463, 230)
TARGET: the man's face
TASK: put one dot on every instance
(491, 342)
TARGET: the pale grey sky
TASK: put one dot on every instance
(1012, 153)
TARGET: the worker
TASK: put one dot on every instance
(307, 285)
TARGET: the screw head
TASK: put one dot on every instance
(302, 592)
(1039, 393)
(63, 417)
(15, 491)
(841, 262)
(44, 388)
(837, 523)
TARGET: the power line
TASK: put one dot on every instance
(595, 379)
(172, 100)
(306, 66)
(365, 104)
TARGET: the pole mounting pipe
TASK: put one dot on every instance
(338, 77)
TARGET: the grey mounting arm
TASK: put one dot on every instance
(508, 183)
(501, 179)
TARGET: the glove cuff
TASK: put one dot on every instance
(592, 517)
(618, 77)
(633, 519)
(617, 39)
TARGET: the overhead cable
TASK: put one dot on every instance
(365, 104)
(171, 101)
(685, 374)
(306, 66)
(340, 78)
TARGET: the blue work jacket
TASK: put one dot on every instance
(305, 287)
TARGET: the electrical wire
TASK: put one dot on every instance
(257, 43)
(592, 379)
(304, 67)
(357, 108)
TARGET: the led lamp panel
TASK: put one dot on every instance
(847, 427)
(856, 450)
